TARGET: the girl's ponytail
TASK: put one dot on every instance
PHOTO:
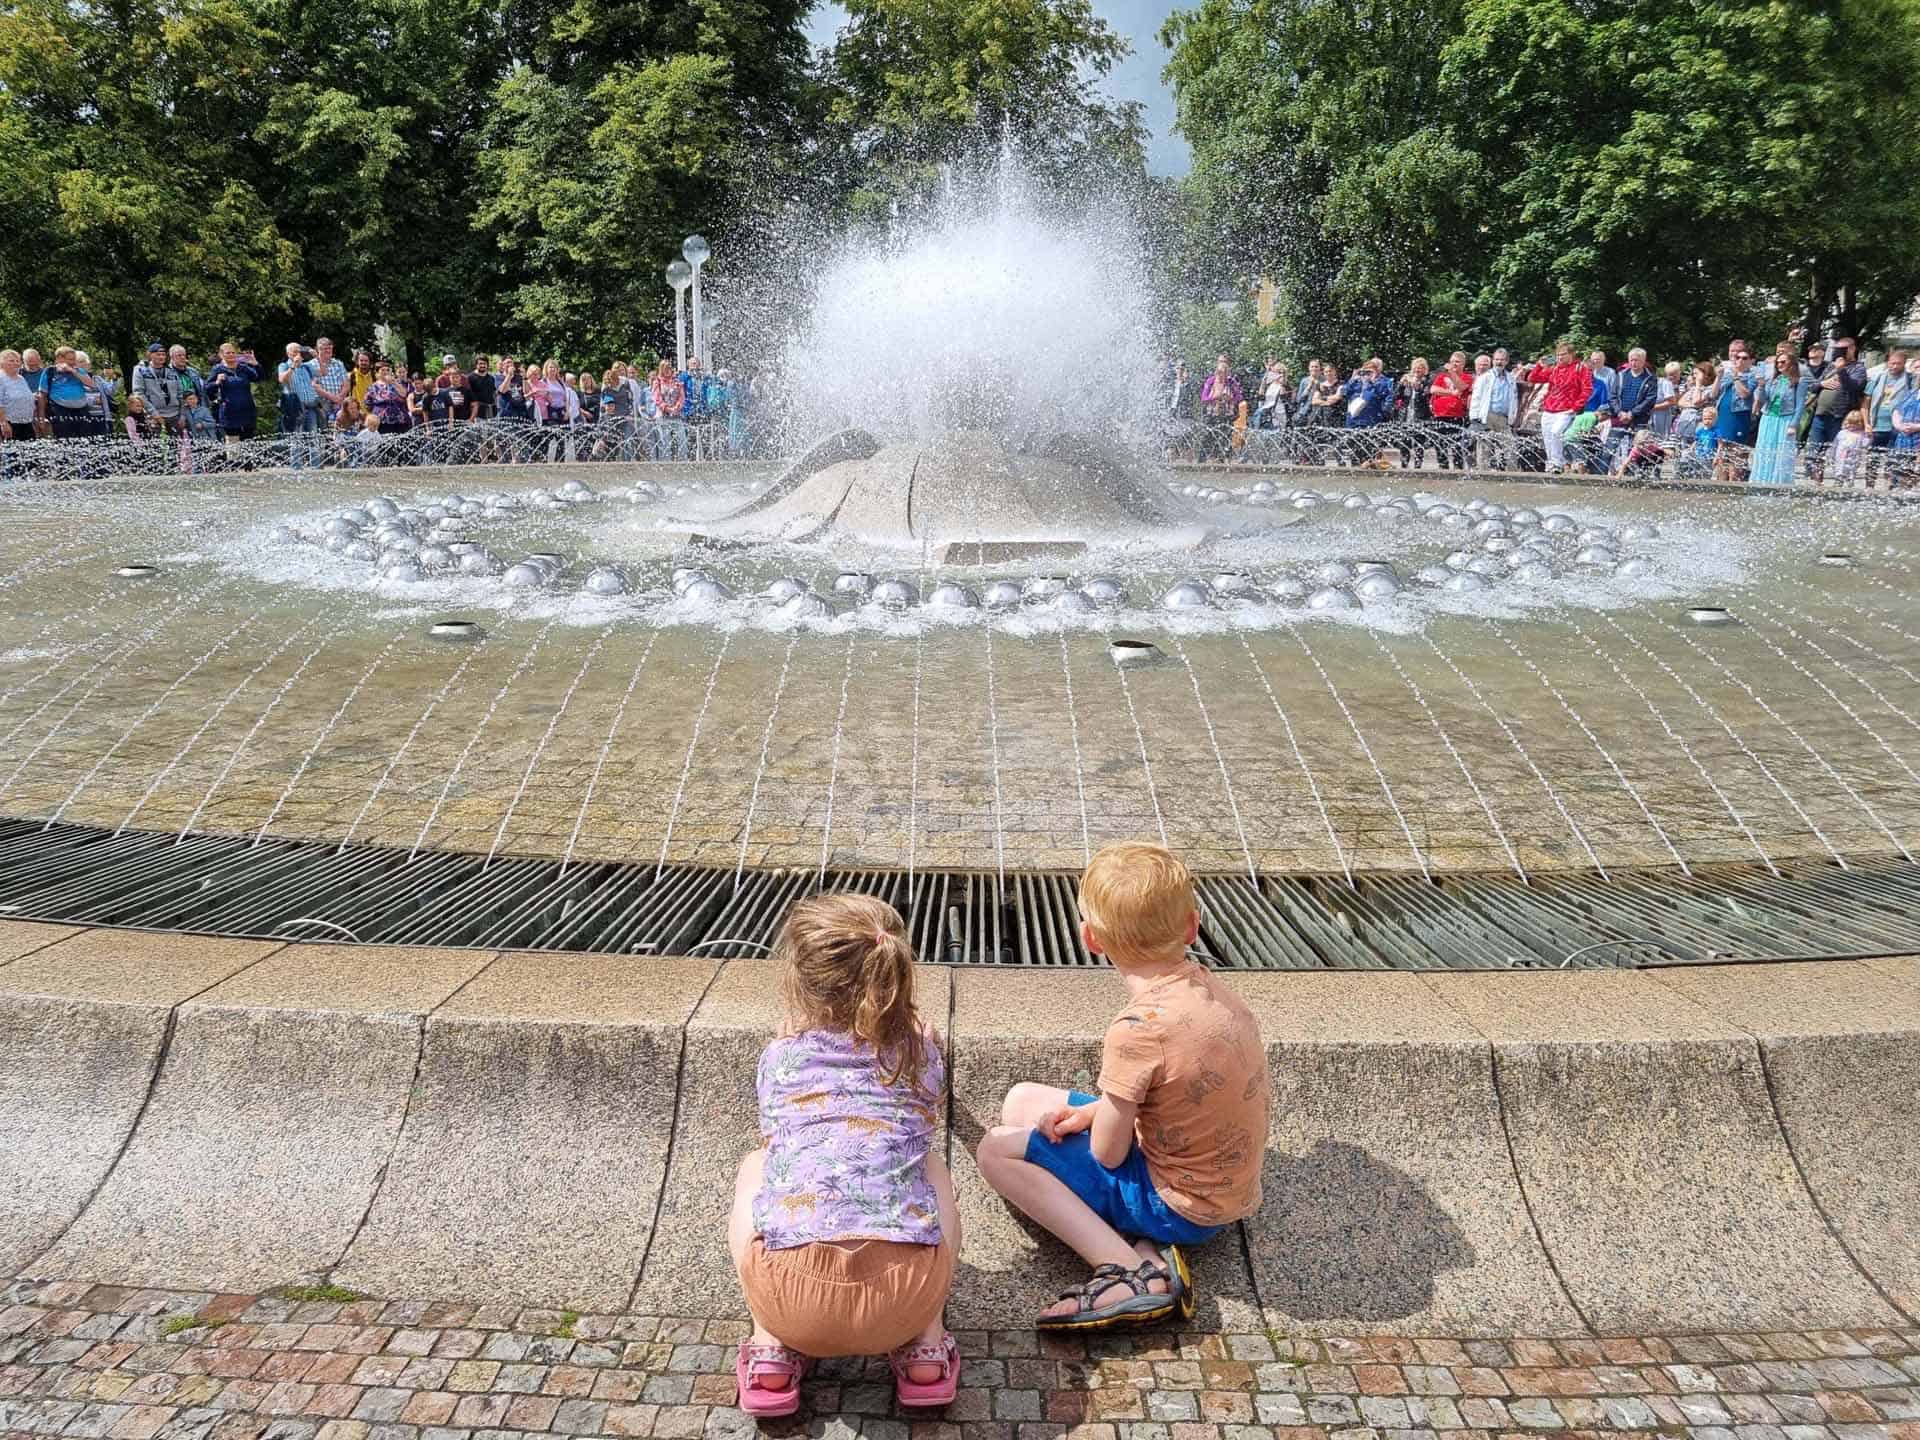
(848, 966)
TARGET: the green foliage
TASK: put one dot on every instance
(1409, 171)
(332, 1294)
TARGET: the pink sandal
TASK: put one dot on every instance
(751, 1361)
(946, 1355)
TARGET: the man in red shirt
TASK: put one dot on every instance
(1569, 386)
(1451, 391)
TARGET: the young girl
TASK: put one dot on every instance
(1850, 449)
(844, 1230)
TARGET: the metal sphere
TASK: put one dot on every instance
(1389, 512)
(1003, 595)
(576, 492)
(1484, 565)
(1188, 594)
(706, 592)
(1460, 559)
(1523, 516)
(337, 543)
(894, 594)
(1307, 502)
(478, 562)
(1533, 572)
(1464, 581)
(547, 561)
(1303, 492)
(1499, 544)
(405, 572)
(1438, 511)
(1263, 487)
(1434, 575)
(539, 495)
(1355, 502)
(1288, 591)
(1476, 504)
(785, 588)
(1458, 520)
(1493, 512)
(1558, 523)
(1635, 533)
(645, 492)
(1635, 565)
(1490, 527)
(472, 508)
(282, 535)
(1073, 602)
(1260, 500)
(1038, 587)
(1104, 590)
(852, 582)
(361, 518)
(364, 550)
(679, 274)
(1594, 555)
(1334, 572)
(1192, 492)
(696, 249)
(435, 557)
(685, 575)
(804, 606)
(341, 526)
(436, 513)
(573, 486)
(501, 500)
(1332, 597)
(1232, 582)
(1374, 567)
(526, 577)
(1596, 535)
(605, 580)
(948, 596)
(1377, 585)
(381, 508)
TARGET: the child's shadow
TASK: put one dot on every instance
(1343, 1236)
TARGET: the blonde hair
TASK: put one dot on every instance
(1137, 898)
(846, 965)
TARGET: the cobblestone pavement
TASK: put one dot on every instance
(121, 1364)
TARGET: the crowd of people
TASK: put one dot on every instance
(324, 410)
(1822, 415)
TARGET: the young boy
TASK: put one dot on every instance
(1169, 1153)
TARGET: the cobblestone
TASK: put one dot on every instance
(91, 1363)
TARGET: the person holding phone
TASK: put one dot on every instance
(230, 386)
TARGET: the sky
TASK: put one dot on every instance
(1135, 78)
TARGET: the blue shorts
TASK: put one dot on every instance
(1125, 1197)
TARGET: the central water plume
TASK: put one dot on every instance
(988, 310)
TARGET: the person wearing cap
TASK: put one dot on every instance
(158, 387)
(448, 403)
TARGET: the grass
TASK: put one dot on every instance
(176, 1323)
(333, 1294)
(568, 1319)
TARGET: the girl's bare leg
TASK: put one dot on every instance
(740, 1236)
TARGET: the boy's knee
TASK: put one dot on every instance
(1001, 1144)
(1023, 1104)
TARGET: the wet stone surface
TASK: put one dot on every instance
(238, 694)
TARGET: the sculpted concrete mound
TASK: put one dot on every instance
(1457, 1155)
(960, 488)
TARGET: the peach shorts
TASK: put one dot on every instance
(847, 1297)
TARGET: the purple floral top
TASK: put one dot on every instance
(846, 1153)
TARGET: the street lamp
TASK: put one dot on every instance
(697, 250)
(679, 274)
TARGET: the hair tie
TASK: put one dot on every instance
(879, 937)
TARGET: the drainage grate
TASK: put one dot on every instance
(317, 891)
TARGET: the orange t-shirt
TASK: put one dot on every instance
(1188, 1052)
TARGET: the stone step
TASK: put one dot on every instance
(1611, 1152)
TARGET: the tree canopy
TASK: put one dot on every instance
(1408, 170)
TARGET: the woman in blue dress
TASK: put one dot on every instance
(1906, 439)
(1778, 404)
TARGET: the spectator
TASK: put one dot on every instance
(1491, 410)
(362, 378)
(1183, 398)
(1815, 368)
(480, 389)
(1696, 395)
(69, 399)
(157, 384)
(669, 403)
(589, 399)
(1304, 393)
(1851, 448)
(1840, 392)
(17, 407)
(1603, 372)
(1906, 432)
(299, 405)
(1276, 393)
(369, 440)
(230, 386)
(451, 399)
(106, 377)
(1451, 396)
(419, 403)
(616, 409)
(1220, 400)
(1778, 403)
(1666, 405)
(195, 407)
(1636, 391)
(329, 379)
(1569, 388)
(1887, 387)
(1734, 397)
(1413, 405)
(386, 403)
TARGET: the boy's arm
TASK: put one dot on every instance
(1111, 1119)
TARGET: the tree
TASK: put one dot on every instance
(1324, 157)
(1680, 172)
(914, 84)
(129, 220)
